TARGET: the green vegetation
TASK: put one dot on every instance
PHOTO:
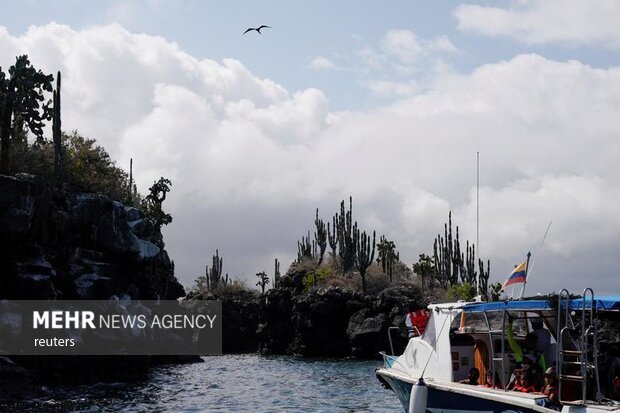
(263, 280)
(152, 207)
(22, 105)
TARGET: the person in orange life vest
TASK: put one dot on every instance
(518, 373)
(550, 389)
(416, 320)
(526, 384)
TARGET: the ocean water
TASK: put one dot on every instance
(235, 383)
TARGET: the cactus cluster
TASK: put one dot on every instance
(306, 248)
(350, 246)
(452, 265)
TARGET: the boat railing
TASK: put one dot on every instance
(411, 332)
(491, 347)
(577, 355)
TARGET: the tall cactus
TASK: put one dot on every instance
(131, 185)
(215, 274)
(276, 274)
(484, 277)
(365, 254)
(56, 134)
(332, 236)
(320, 237)
(347, 240)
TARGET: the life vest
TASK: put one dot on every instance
(417, 319)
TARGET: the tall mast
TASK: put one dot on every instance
(478, 215)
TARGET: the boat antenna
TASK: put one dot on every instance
(529, 267)
(478, 216)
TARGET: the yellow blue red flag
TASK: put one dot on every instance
(517, 275)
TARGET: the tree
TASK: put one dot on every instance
(263, 280)
(425, 269)
(22, 96)
(387, 256)
(152, 207)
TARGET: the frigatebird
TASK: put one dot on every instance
(257, 29)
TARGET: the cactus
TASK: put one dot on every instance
(215, 274)
(56, 134)
(263, 280)
(364, 255)
(320, 237)
(276, 274)
(453, 266)
(224, 280)
(131, 185)
(346, 239)
(304, 248)
(332, 236)
(206, 278)
(484, 278)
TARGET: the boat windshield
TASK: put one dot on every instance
(476, 322)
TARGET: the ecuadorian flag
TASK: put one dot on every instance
(517, 275)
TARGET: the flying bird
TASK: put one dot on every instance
(257, 29)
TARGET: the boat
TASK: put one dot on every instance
(462, 335)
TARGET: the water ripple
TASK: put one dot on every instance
(239, 383)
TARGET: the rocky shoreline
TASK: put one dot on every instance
(61, 244)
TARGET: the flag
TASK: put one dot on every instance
(517, 275)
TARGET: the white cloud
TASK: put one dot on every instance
(593, 22)
(402, 44)
(250, 161)
(396, 67)
(322, 63)
(387, 88)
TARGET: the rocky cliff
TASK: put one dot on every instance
(68, 245)
(331, 322)
(59, 244)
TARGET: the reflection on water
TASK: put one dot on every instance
(239, 383)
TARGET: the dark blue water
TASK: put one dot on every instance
(240, 383)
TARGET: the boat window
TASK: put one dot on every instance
(469, 323)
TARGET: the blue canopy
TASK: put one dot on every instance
(516, 305)
(606, 303)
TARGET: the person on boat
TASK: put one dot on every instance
(529, 347)
(416, 320)
(520, 370)
(526, 382)
(490, 381)
(472, 377)
(550, 389)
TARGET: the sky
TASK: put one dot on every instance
(385, 102)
